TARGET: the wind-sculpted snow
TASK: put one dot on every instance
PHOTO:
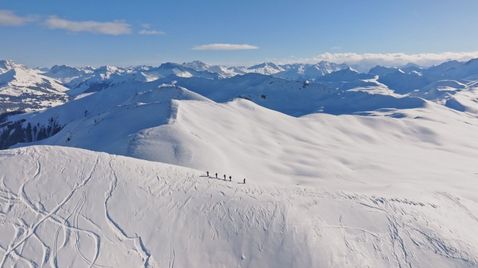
(69, 207)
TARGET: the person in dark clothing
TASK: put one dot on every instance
(207, 173)
(216, 175)
(230, 178)
(244, 181)
(224, 176)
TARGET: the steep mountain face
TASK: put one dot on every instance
(66, 74)
(266, 68)
(401, 81)
(298, 71)
(107, 76)
(222, 70)
(346, 75)
(412, 78)
(454, 70)
(452, 84)
(309, 71)
(25, 89)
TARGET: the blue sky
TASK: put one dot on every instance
(49, 32)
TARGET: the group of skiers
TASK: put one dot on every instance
(225, 177)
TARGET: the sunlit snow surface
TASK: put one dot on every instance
(69, 207)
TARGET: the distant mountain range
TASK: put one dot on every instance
(293, 89)
(26, 89)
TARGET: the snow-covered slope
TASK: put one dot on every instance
(144, 110)
(68, 207)
(252, 141)
(25, 89)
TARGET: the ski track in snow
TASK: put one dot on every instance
(119, 232)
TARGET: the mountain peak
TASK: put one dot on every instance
(6, 65)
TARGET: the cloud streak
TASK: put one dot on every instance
(9, 18)
(107, 28)
(147, 30)
(225, 47)
(150, 32)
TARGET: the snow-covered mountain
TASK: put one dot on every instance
(300, 71)
(344, 91)
(222, 70)
(266, 68)
(401, 81)
(25, 89)
(107, 76)
(411, 77)
(66, 74)
(294, 98)
(343, 169)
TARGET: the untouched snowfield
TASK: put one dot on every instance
(67, 207)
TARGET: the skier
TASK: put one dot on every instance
(207, 173)
(216, 175)
(224, 176)
(244, 181)
(230, 178)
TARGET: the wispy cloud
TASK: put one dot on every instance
(227, 47)
(367, 60)
(9, 18)
(148, 30)
(108, 28)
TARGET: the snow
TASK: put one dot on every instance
(346, 169)
(308, 71)
(25, 89)
(252, 141)
(72, 207)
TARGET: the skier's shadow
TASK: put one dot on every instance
(219, 179)
(212, 178)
